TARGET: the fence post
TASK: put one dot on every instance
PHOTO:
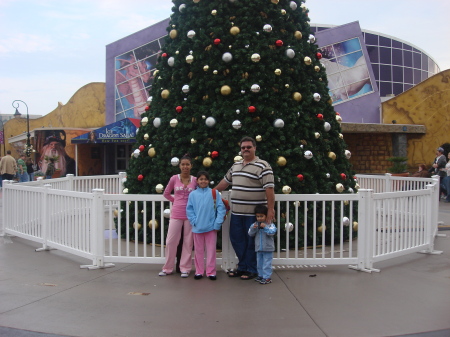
(229, 260)
(70, 181)
(122, 176)
(432, 210)
(97, 229)
(45, 221)
(387, 182)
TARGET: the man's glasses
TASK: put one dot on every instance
(246, 147)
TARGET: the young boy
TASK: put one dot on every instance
(264, 244)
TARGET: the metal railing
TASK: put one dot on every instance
(89, 217)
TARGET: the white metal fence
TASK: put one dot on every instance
(79, 215)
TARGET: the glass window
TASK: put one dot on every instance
(397, 74)
(407, 58)
(397, 44)
(417, 76)
(407, 46)
(424, 75)
(385, 88)
(416, 50)
(385, 72)
(371, 39)
(397, 57)
(425, 59)
(385, 55)
(408, 86)
(376, 71)
(322, 28)
(147, 50)
(397, 88)
(408, 74)
(373, 54)
(123, 152)
(417, 60)
(384, 41)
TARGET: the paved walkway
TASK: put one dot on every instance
(47, 294)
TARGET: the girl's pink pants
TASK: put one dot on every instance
(205, 242)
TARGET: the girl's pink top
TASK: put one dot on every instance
(180, 197)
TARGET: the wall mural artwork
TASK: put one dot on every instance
(347, 71)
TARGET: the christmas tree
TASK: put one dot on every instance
(234, 68)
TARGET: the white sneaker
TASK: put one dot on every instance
(184, 275)
(162, 273)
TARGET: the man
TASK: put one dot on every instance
(22, 166)
(253, 184)
(8, 166)
(438, 167)
(54, 147)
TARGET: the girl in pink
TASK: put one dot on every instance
(181, 184)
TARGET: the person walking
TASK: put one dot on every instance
(30, 169)
(206, 215)
(8, 166)
(253, 184)
(182, 185)
(22, 168)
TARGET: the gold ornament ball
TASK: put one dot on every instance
(255, 57)
(207, 162)
(322, 228)
(277, 72)
(317, 135)
(173, 34)
(332, 155)
(165, 94)
(275, 1)
(155, 72)
(144, 121)
(339, 119)
(196, 1)
(281, 161)
(355, 226)
(298, 35)
(206, 68)
(225, 90)
(193, 141)
(146, 136)
(283, 12)
(125, 191)
(286, 189)
(153, 224)
(340, 188)
(173, 122)
(307, 60)
(357, 187)
(346, 202)
(235, 30)
(297, 96)
(237, 158)
(139, 226)
(159, 188)
(214, 12)
(258, 138)
(189, 59)
(317, 68)
(151, 152)
(116, 213)
(341, 136)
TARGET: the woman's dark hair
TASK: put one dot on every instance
(186, 156)
(261, 209)
(203, 173)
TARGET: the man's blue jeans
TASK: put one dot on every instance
(243, 244)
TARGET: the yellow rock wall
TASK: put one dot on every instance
(428, 103)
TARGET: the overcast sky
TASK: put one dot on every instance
(51, 48)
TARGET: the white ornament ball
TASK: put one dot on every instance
(227, 57)
(346, 221)
(150, 99)
(210, 121)
(317, 97)
(278, 123)
(173, 122)
(339, 188)
(308, 154)
(175, 161)
(136, 153)
(328, 175)
(290, 53)
(189, 59)
(190, 34)
(286, 189)
(185, 88)
(144, 121)
(348, 154)
(159, 188)
(157, 122)
(125, 191)
(182, 8)
(124, 180)
(267, 28)
(193, 141)
(171, 61)
(350, 190)
(167, 213)
(311, 38)
(289, 227)
(256, 57)
(237, 124)
(255, 88)
(327, 126)
(293, 5)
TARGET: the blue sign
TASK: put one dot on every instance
(123, 131)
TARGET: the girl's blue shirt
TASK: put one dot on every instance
(201, 212)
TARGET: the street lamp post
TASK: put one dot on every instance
(17, 114)
(2, 139)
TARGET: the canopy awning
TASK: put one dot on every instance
(123, 131)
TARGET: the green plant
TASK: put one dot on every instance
(399, 164)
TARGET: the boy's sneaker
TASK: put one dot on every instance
(184, 274)
(266, 281)
(258, 279)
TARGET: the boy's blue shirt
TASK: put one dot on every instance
(264, 237)
(201, 212)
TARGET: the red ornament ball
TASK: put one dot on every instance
(164, 55)
(141, 148)
(337, 113)
(147, 108)
(214, 154)
(179, 109)
(300, 177)
(278, 43)
(140, 177)
(318, 56)
(320, 116)
(217, 41)
(251, 109)
(343, 176)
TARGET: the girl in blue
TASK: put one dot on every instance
(264, 244)
(206, 217)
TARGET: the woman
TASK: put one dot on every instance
(30, 168)
(181, 184)
(446, 181)
(423, 172)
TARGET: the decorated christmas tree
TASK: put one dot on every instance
(234, 68)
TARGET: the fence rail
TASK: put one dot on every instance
(91, 218)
